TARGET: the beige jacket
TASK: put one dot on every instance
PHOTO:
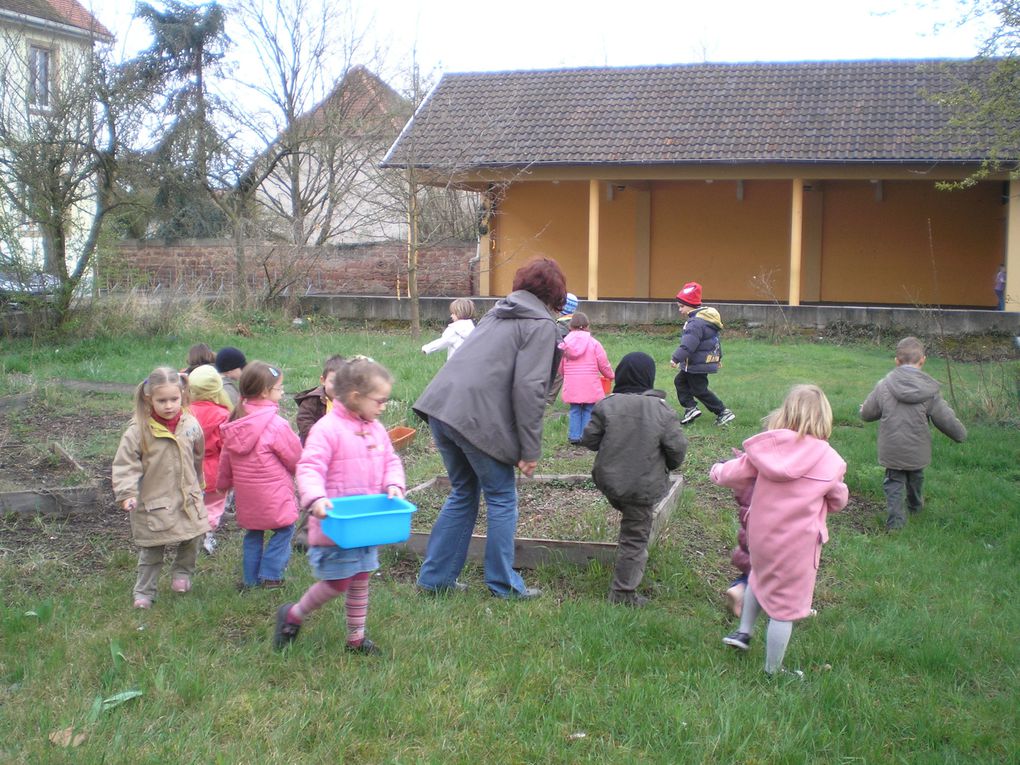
(163, 471)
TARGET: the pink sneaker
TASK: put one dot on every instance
(181, 585)
(143, 603)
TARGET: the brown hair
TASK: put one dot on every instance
(462, 308)
(143, 392)
(805, 410)
(579, 320)
(359, 375)
(200, 354)
(544, 279)
(909, 350)
(256, 379)
(333, 364)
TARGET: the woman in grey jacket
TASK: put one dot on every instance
(485, 409)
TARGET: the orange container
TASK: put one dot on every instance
(401, 436)
(607, 385)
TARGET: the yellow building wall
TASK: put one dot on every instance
(736, 249)
(879, 251)
(857, 248)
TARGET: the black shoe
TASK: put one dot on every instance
(574, 442)
(285, 631)
(366, 647)
(690, 415)
(739, 640)
(628, 599)
(725, 416)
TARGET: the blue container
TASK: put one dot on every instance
(368, 519)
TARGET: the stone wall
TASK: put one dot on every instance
(210, 267)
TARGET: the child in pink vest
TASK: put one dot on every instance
(583, 365)
(798, 481)
(347, 452)
(260, 453)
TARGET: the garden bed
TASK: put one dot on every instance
(560, 518)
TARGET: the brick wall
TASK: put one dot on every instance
(210, 266)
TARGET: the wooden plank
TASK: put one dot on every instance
(76, 499)
(530, 553)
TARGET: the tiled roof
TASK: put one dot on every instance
(848, 111)
(68, 12)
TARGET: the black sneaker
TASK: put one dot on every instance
(366, 647)
(724, 417)
(285, 631)
(628, 599)
(739, 640)
(690, 415)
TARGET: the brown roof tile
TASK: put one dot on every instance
(68, 12)
(850, 111)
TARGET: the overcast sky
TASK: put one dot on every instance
(473, 35)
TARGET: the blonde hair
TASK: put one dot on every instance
(805, 410)
(143, 393)
(462, 308)
(256, 379)
(359, 375)
(909, 350)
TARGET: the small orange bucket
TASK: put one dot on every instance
(401, 436)
(607, 385)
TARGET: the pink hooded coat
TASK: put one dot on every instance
(260, 453)
(583, 365)
(345, 455)
(798, 479)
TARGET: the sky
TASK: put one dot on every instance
(471, 35)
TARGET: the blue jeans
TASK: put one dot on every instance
(579, 416)
(471, 473)
(258, 564)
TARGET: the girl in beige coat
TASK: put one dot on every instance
(157, 479)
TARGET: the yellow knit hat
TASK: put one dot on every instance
(205, 384)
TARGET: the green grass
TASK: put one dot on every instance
(912, 658)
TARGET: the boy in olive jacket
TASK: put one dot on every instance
(905, 400)
(639, 440)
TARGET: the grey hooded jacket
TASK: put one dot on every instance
(905, 400)
(492, 391)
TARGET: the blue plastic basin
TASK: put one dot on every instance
(368, 519)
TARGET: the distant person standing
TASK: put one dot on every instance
(698, 355)
(1000, 286)
(230, 362)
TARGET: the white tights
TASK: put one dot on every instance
(777, 637)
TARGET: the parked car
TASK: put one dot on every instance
(21, 287)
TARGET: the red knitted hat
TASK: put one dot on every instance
(690, 294)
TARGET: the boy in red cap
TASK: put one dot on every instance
(698, 356)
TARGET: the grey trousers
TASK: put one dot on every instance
(632, 547)
(150, 563)
(896, 484)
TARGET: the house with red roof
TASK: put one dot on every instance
(797, 183)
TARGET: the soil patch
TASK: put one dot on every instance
(546, 510)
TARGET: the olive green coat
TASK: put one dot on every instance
(162, 470)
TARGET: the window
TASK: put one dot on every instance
(39, 61)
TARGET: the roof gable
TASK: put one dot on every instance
(848, 112)
(69, 12)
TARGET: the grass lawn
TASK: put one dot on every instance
(913, 656)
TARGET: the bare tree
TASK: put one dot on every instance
(58, 160)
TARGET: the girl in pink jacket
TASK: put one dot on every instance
(347, 452)
(259, 455)
(798, 480)
(583, 366)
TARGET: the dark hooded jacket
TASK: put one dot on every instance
(700, 351)
(637, 436)
(905, 400)
(492, 390)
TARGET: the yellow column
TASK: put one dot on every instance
(484, 264)
(796, 240)
(593, 240)
(1013, 249)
